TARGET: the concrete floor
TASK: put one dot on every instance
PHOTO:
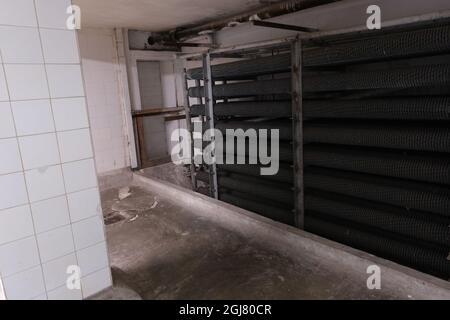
(161, 250)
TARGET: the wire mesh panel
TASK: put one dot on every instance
(375, 137)
(377, 144)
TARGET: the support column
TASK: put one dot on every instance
(297, 119)
(209, 105)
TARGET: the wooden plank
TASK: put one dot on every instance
(141, 139)
(156, 111)
(175, 117)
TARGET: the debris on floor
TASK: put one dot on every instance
(124, 193)
(127, 205)
(154, 205)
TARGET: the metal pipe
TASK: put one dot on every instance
(381, 46)
(413, 224)
(284, 174)
(396, 192)
(400, 78)
(432, 168)
(266, 12)
(401, 250)
(284, 152)
(284, 127)
(257, 186)
(247, 68)
(267, 210)
(247, 89)
(416, 108)
(361, 30)
(425, 19)
(433, 40)
(248, 109)
(392, 136)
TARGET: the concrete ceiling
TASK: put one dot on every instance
(159, 15)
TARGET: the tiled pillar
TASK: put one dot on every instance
(50, 213)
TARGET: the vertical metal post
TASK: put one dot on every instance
(297, 119)
(199, 128)
(190, 127)
(209, 105)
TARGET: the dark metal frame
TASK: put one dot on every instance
(297, 124)
(268, 24)
(209, 105)
(190, 128)
(297, 121)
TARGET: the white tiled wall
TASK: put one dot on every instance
(50, 214)
(100, 67)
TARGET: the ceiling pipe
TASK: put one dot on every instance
(270, 11)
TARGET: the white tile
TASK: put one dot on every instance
(84, 204)
(88, 232)
(52, 13)
(79, 175)
(25, 285)
(18, 13)
(93, 258)
(39, 151)
(6, 121)
(4, 96)
(65, 81)
(50, 214)
(13, 191)
(26, 81)
(55, 244)
(60, 46)
(18, 256)
(2, 291)
(63, 293)
(20, 45)
(15, 224)
(55, 271)
(40, 297)
(33, 117)
(96, 282)
(70, 113)
(9, 156)
(45, 183)
(75, 145)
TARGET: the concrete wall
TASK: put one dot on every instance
(106, 112)
(50, 214)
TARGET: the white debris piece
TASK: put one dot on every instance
(124, 193)
(154, 205)
(134, 218)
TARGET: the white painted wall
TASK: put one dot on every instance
(50, 213)
(105, 104)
